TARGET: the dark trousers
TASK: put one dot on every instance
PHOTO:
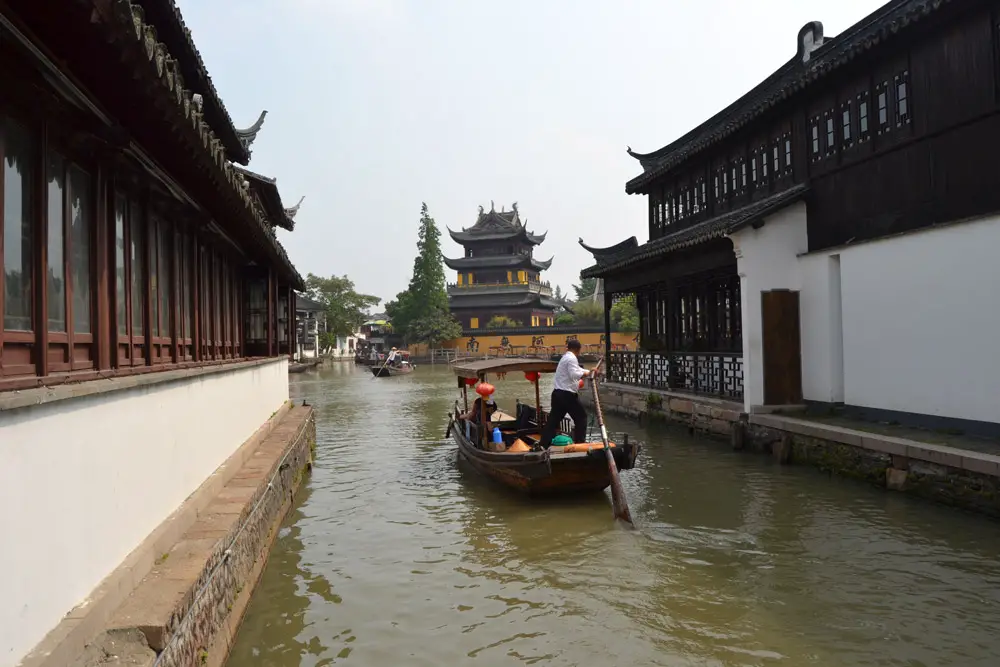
(565, 403)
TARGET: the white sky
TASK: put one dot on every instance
(377, 105)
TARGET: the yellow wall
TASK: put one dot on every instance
(487, 340)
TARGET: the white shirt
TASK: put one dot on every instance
(568, 373)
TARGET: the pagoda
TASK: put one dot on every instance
(498, 275)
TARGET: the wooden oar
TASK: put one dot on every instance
(383, 367)
(618, 502)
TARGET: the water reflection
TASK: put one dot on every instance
(396, 555)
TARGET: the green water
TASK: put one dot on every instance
(395, 555)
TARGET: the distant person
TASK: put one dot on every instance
(565, 399)
(391, 361)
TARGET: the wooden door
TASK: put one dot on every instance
(782, 347)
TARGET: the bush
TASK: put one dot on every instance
(502, 322)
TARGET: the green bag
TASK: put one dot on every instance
(562, 441)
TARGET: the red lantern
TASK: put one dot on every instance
(470, 381)
(581, 383)
(531, 376)
(485, 389)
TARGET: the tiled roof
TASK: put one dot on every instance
(791, 78)
(137, 35)
(611, 254)
(713, 228)
(496, 225)
(171, 29)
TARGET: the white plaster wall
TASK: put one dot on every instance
(767, 258)
(84, 481)
(921, 321)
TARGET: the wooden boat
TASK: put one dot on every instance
(538, 472)
(404, 368)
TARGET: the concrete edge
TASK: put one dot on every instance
(25, 398)
(723, 403)
(89, 618)
(952, 457)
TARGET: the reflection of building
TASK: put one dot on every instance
(499, 276)
(144, 296)
(310, 322)
(797, 238)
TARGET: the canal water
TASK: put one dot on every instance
(394, 555)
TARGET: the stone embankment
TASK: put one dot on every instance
(186, 604)
(961, 472)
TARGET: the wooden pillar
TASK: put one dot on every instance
(290, 324)
(105, 322)
(147, 283)
(270, 312)
(607, 326)
(196, 324)
(40, 252)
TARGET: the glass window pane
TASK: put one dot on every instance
(82, 223)
(136, 229)
(55, 275)
(121, 296)
(18, 166)
(163, 270)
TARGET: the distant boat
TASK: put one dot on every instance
(404, 368)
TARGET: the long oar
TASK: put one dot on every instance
(618, 502)
(383, 367)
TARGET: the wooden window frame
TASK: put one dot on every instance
(848, 134)
(829, 131)
(864, 116)
(64, 344)
(815, 145)
(882, 95)
(24, 343)
(902, 99)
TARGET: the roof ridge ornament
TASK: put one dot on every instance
(810, 39)
(291, 212)
(249, 135)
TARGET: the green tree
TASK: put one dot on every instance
(558, 294)
(588, 313)
(565, 319)
(625, 315)
(438, 325)
(586, 288)
(421, 312)
(345, 308)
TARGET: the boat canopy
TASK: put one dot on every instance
(477, 369)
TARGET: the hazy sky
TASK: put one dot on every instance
(375, 106)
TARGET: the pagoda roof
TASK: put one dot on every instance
(497, 226)
(498, 262)
(817, 59)
(701, 232)
(171, 30)
(270, 198)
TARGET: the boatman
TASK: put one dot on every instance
(565, 400)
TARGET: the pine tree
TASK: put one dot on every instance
(421, 312)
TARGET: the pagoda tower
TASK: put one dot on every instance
(498, 275)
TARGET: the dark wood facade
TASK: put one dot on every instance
(498, 275)
(885, 129)
(128, 243)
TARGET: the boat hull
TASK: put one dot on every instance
(386, 371)
(545, 473)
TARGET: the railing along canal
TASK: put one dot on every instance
(713, 373)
